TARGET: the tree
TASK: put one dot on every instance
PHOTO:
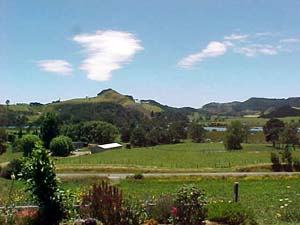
(289, 135)
(39, 174)
(234, 136)
(272, 129)
(61, 146)
(138, 137)
(27, 143)
(49, 128)
(3, 139)
(196, 132)
(21, 120)
(7, 102)
(177, 131)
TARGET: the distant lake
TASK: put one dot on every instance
(222, 129)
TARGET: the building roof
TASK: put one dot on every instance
(109, 146)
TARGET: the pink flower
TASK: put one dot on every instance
(174, 211)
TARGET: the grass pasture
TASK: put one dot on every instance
(263, 195)
(178, 157)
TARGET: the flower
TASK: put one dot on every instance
(174, 211)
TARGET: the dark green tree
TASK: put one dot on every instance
(61, 146)
(3, 139)
(289, 135)
(177, 131)
(272, 129)
(138, 137)
(27, 143)
(234, 136)
(196, 132)
(49, 128)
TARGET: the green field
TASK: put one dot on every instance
(260, 194)
(177, 157)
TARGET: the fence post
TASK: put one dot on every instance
(236, 191)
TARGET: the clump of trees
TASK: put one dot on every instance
(234, 136)
(196, 132)
(49, 128)
(26, 144)
(92, 132)
(281, 135)
(61, 146)
(3, 139)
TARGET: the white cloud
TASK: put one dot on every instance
(57, 66)
(213, 49)
(106, 51)
(290, 40)
(256, 49)
(236, 37)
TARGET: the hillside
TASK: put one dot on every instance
(260, 106)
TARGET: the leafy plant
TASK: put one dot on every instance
(26, 144)
(230, 213)
(161, 210)
(61, 146)
(276, 165)
(138, 176)
(189, 207)
(38, 172)
(13, 167)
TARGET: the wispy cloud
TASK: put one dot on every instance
(106, 51)
(236, 36)
(60, 67)
(250, 45)
(213, 49)
(256, 49)
(290, 40)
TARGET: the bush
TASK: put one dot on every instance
(38, 172)
(234, 136)
(105, 203)
(26, 144)
(161, 211)
(61, 146)
(231, 214)
(276, 165)
(189, 206)
(138, 176)
(13, 167)
(296, 164)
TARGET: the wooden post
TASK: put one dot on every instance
(236, 191)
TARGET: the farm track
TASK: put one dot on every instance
(117, 176)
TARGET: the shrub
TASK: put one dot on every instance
(26, 144)
(61, 146)
(38, 173)
(189, 206)
(105, 203)
(138, 176)
(296, 164)
(13, 167)
(231, 214)
(234, 136)
(276, 165)
(161, 211)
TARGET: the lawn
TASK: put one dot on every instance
(180, 157)
(9, 155)
(260, 194)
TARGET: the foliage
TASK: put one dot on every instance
(14, 167)
(61, 146)
(138, 176)
(161, 210)
(189, 207)
(177, 131)
(105, 202)
(49, 128)
(231, 214)
(288, 135)
(3, 139)
(196, 132)
(276, 165)
(26, 144)
(234, 136)
(272, 129)
(138, 137)
(38, 173)
(93, 132)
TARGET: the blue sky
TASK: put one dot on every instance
(180, 53)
